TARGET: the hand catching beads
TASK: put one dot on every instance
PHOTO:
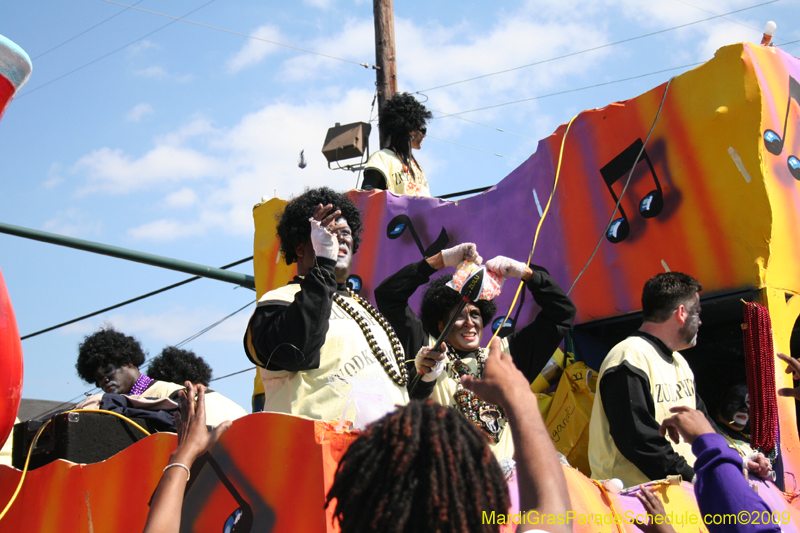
(793, 368)
(507, 267)
(430, 363)
(467, 251)
(323, 239)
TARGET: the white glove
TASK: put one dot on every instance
(462, 252)
(325, 243)
(506, 267)
(426, 372)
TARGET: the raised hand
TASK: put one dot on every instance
(430, 363)
(467, 251)
(323, 234)
(507, 267)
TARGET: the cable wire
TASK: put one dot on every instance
(538, 228)
(132, 300)
(175, 19)
(625, 188)
(87, 30)
(474, 148)
(36, 439)
(26, 93)
(212, 326)
(571, 54)
(574, 90)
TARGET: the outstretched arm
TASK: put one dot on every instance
(194, 440)
(542, 485)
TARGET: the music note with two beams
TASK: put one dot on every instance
(621, 166)
(774, 143)
(398, 225)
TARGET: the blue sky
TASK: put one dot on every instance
(165, 145)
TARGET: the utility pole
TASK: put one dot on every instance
(386, 72)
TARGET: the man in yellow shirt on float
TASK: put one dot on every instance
(640, 379)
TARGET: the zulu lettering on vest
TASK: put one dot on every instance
(672, 392)
(671, 384)
(350, 384)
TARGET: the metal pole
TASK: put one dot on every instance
(386, 72)
(131, 255)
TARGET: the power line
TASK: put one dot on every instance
(142, 297)
(84, 32)
(175, 19)
(233, 374)
(573, 90)
(759, 30)
(571, 54)
(26, 93)
(501, 130)
(474, 148)
(212, 326)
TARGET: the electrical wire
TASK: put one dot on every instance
(87, 30)
(212, 326)
(132, 300)
(501, 130)
(625, 188)
(175, 19)
(571, 54)
(474, 148)
(73, 71)
(233, 374)
(574, 90)
(538, 228)
(36, 439)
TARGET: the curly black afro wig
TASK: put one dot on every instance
(439, 300)
(177, 366)
(104, 347)
(294, 228)
(401, 115)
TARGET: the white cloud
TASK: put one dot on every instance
(73, 222)
(166, 230)
(113, 171)
(254, 50)
(185, 197)
(151, 72)
(143, 46)
(54, 177)
(138, 111)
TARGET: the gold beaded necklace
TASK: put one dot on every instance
(488, 417)
(400, 379)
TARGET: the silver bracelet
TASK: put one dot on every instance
(188, 472)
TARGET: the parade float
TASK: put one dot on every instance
(697, 175)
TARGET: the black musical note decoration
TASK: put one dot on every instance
(774, 142)
(619, 167)
(398, 225)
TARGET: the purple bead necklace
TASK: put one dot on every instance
(141, 385)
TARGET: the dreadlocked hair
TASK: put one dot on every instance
(439, 300)
(423, 467)
(294, 228)
(401, 115)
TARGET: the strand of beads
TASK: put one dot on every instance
(401, 378)
(141, 385)
(486, 416)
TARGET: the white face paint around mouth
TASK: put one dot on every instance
(741, 418)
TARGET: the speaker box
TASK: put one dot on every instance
(77, 437)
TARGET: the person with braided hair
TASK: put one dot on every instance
(395, 169)
(439, 373)
(640, 379)
(322, 351)
(425, 468)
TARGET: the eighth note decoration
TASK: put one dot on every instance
(774, 142)
(652, 203)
